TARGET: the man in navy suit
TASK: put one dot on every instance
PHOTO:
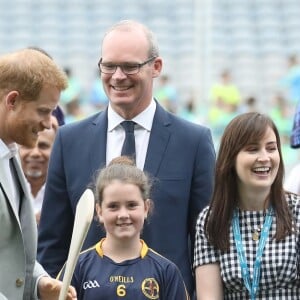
(179, 155)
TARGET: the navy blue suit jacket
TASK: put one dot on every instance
(180, 157)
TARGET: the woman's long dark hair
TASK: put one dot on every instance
(241, 131)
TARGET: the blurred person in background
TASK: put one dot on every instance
(73, 111)
(189, 111)
(225, 101)
(295, 135)
(96, 97)
(74, 89)
(166, 94)
(291, 81)
(292, 182)
(227, 92)
(282, 117)
(249, 105)
(72, 98)
(35, 164)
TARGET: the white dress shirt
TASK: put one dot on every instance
(116, 134)
(38, 200)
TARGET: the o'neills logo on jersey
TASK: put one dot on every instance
(121, 279)
(90, 284)
(150, 288)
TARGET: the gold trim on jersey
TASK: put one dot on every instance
(99, 249)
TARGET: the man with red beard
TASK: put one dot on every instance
(30, 87)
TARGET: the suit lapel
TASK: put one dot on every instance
(98, 138)
(26, 211)
(26, 216)
(158, 142)
(5, 185)
(21, 176)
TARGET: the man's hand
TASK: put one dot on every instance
(49, 288)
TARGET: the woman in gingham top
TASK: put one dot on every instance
(247, 240)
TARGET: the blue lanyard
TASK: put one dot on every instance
(253, 286)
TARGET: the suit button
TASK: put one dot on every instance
(19, 282)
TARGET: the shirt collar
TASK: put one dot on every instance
(99, 248)
(8, 151)
(144, 119)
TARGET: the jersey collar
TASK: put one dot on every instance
(99, 249)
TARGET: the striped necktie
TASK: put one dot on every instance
(128, 148)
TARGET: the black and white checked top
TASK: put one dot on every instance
(280, 268)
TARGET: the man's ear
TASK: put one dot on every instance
(157, 67)
(10, 99)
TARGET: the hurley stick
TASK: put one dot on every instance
(83, 218)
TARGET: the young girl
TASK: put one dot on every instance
(247, 240)
(121, 266)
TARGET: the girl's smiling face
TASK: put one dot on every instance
(123, 210)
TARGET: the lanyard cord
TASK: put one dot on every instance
(252, 286)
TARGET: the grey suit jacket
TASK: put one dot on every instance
(19, 269)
